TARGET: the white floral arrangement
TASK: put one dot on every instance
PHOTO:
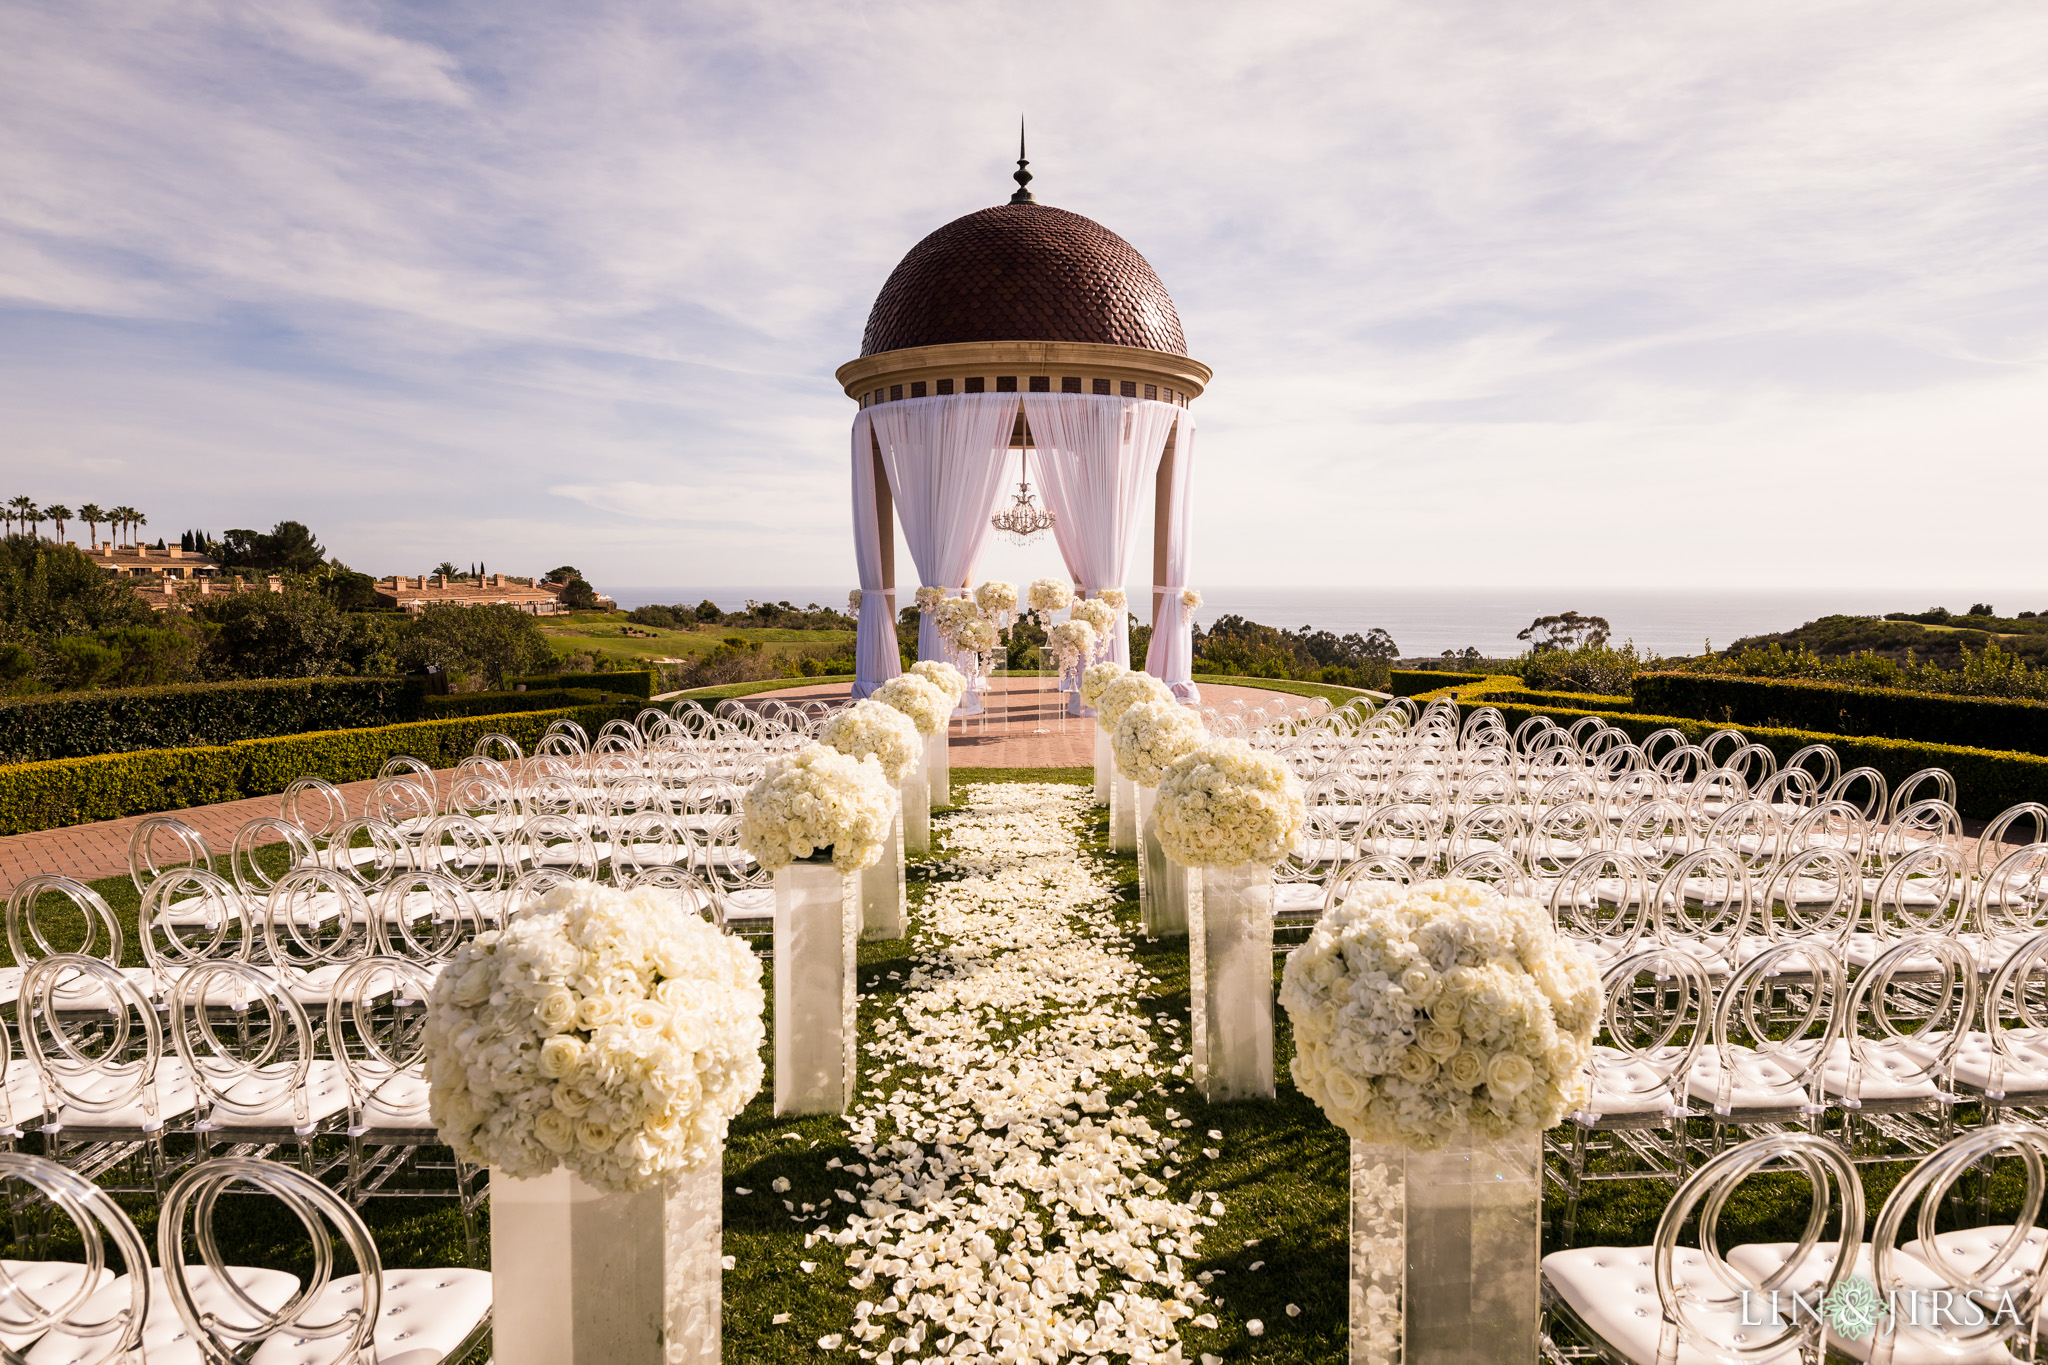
(922, 701)
(1153, 734)
(996, 599)
(818, 798)
(975, 635)
(1098, 677)
(942, 675)
(1126, 690)
(928, 599)
(1071, 640)
(1114, 597)
(1190, 601)
(1427, 1012)
(1050, 594)
(951, 615)
(878, 729)
(1227, 804)
(853, 602)
(1098, 614)
(600, 1031)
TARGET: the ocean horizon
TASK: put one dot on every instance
(1427, 621)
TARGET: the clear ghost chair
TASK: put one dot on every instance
(110, 1093)
(22, 1103)
(1710, 794)
(43, 912)
(404, 804)
(1838, 825)
(1921, 893)
(162, 842)
(1683, 766)
(1753, 831)
(315, 805)
(2010, 905)
(1754, 764)
(2012, 828)
(1820, 762)
(1408, 832)
(485, 799)
(417, 1317)
(1601, 903)
(1962, 1295)
(683, 889)
(1714, 744)
(1654, 1022)
(1864, 789)
(1560, 836)
(527, 891)
(1773, 1025)
(647, 840)
(560, 842)
(1525, 734)
(2005, 1062)
(369, 851)
(1571, 787)
(477, 765)
(1889, 1071)
(469, 851)
(1924, 824)
(1790, 791)
(551, 794)
(413, 770)
(1928, 784)
(189, 917)
(1600, 1295)
(745, 890)
(1703, 904)
(245, 859)
(1652, 829)
(1659, 743)
(259, 1083)
(68, 1303)
(315, 924)
(424, 918)
(1374, 872)
(1814, 895)
(500, 748)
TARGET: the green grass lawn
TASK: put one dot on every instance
(1282, 1177)
(614, 635)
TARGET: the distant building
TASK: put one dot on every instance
(140, 561)
(411, 594)
(171, 591)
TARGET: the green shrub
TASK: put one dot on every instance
(1972, 722)
(77, 790)
(507, 703)
(81, 724)
(1598, 669)
(1413, 682)
(638, 682)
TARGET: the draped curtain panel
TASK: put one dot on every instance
(1171, 655)
(1097, 459)
(875, 658)
(945, 458)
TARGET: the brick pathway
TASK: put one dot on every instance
(100, 849)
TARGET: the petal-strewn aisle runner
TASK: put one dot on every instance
(1010, 1208)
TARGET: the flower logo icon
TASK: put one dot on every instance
(1853, 1308)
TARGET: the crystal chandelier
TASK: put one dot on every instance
(1024, 518)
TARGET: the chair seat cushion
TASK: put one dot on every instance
(1624, 1085)
(265, 1100)
(1756, 1083)
(1614, 1291)
(425, 1315)
(165, 1339)
(1911, 1344)
(96, 1100)
(49, 1284)
(1891, 1072)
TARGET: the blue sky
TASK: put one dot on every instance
(1746, 293)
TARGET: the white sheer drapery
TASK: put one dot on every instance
(1097, 457)
(1170, 658)
(945, 459)
(875, 657)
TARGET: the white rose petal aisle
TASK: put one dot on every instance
(1444, 1027)
(592, 1053)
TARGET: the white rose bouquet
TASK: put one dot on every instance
(1152, 734)
(1114, 598)
(928, 599)
(953, 615)
(943, 676)
(853, 602)
(1098, 614)
(1050, 594)
(818, 798)
(976, 635)
(1098, 677)
(997, 600)
(1226, 804)
(875, 728)
(601, 1031)
(1072, 641)
(1127, 689)
(1425, 1012)
(1190, 600)
(919, 699)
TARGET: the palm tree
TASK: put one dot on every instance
(137, 521)
(118, 518)
(18, 508)
(35, 519)
(92, 514)
(60, 514)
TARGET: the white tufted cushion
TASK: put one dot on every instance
(754, 903)
(1297, 897)
(49, 1283)
(1758, 1083)
(2026, 1071)
(1891, 1072)
(1614, 1290)
(1913, 1345)
(426, 1314)
(264, 1101)
(1624, 1085)
(400, 1105)
(174, 1098)
(164, 1338)
(1971, 1249)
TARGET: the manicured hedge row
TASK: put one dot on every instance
(73, 791)
(1413, 682)
(1987, 781)
(505, 703)
(638, 682)
(80, 724)
(1580, 701)
(1978, 722)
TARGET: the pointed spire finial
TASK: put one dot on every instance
(1021, 175)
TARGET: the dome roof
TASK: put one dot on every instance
(1023, 272)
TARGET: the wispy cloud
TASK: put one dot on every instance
(1578, 293)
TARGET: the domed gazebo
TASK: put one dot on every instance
(1022, 328)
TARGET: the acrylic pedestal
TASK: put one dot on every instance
(1105, 764)
(1230, 973)
(917, 812)
(581, 1277)
(1446, 1251)
(938, 766)
(1123, 813)
(1162, 883)
(884, 896)
(817, 935)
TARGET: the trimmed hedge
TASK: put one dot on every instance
(1987, 781)
(506, 703)
(74, 791)
(1843, 709)
(1413, 682)
(636, 682)
(123, 720)
(1580, 701)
